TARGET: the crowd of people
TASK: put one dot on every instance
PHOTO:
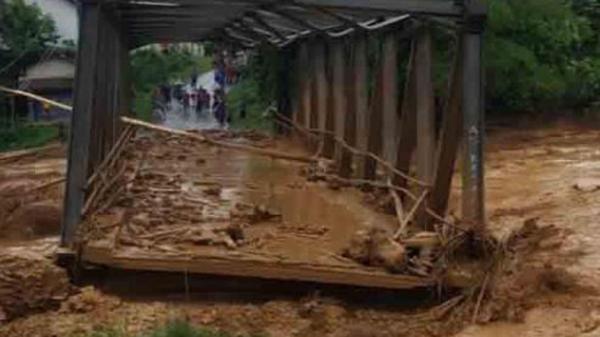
(194, 98)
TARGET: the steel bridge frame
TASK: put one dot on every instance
(326, 42)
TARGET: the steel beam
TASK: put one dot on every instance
(432, 7)
(339, 95)
(360, 99)
(389, 104)
(449, 141)
(473, 206)
(81, 121)
(425, 106)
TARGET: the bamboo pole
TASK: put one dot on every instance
(356, 151)
(36, 97)
(208, 140)
(133, 121)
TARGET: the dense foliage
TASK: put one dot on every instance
(25, 32)
(541, 54)
(257, 90)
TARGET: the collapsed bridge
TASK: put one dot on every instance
(332, 87)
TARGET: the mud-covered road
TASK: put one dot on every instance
(549, 173)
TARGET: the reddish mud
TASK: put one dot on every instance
(25, 211)
(547, 173)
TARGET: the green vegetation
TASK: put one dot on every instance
(542, 54)
(256, 91)
(25, 33)
(244, 96)
(24, 137)
(171, 329)
(151, 68)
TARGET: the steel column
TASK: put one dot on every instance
(361, 99)
(339, 97)
(389, 104)
(473, 208)
(81, 120)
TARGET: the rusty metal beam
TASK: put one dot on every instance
(473, 207)
(81, 121)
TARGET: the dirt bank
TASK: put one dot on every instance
(31, 193)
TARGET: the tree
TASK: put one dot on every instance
(25, 32)
(536, 55)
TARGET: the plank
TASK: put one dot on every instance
(437, 7)
(449, 142)
(320, 82)
(425, 106)
(339, 95)
(374, 144)
(81, 121)
(95, 147)
(306, 81)
(361, 99)
(408, 120)
(261, 268)
(389, 104)
(345, 168)
(329, 146)
(473, 207)
(315, 55)
(302, 62)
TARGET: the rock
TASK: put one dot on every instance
(587, 184)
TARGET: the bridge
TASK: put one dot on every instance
(340, 85)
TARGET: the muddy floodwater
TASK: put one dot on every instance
(551, 173)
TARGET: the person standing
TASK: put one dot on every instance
(219, 108)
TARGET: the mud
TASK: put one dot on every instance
(26, 212)
(182, 198)
(29, 283)
(547, 285)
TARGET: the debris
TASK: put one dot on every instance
(253, 213)
(374, 247)
(30, 282)
(409, 216)
(88, 300)
(219, 143)
(15, 155)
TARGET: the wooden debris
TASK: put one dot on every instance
(208, 140)
(374, 247)
(401, 232)
(15, 155)
(409, 216)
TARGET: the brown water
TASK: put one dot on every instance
(532, 174)
(529, 173)
(316, 223)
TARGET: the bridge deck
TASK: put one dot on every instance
(176, 214)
